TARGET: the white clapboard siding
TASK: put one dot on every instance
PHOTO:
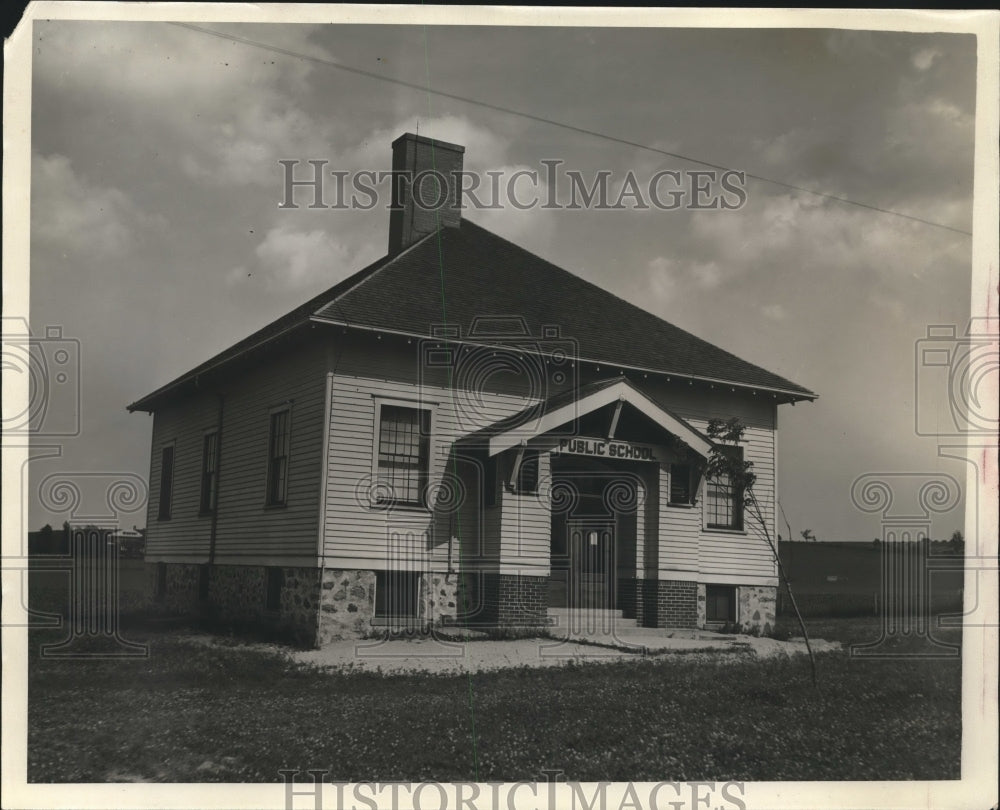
(526, 529)
(737, 556)
(247, 531)
(355, 531)
(185, 536)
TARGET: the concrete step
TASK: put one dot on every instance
(589, 620)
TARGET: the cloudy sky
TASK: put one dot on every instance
(156, 237)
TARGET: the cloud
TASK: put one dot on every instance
(70, 214)
(291, 260)
(924, 58)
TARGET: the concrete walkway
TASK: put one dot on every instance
(449, 657)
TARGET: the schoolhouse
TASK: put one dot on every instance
(460, 433)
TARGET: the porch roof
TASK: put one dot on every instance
(560, 409)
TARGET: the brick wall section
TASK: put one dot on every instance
(676, 604)
(666, 603)
(627, 598)
(514, 600)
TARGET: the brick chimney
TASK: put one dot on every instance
(425, 164)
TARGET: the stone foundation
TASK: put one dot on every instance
(181, 595)
(318, 607)
(439, 598)
(756, 608)
(346, 604)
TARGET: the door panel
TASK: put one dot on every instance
(591, 564)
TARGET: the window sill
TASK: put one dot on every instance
(268, 506)
(681, 505)
(387, 506)
(723, 530)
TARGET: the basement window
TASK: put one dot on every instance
(275, 582)
(397, 595)
(720, 603)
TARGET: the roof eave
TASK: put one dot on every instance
(792, 396)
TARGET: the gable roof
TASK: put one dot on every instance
(460, 275)
(563, 408)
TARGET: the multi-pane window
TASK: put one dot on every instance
(166, 481)
(403, 454)
(277, 459)
(680, 483)
(724, 500)
(209, 472)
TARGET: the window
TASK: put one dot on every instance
(527, 474)
(166, 481)
(396, 594)
(720, 603)
(275, 582)
(723, 501)
(680, 484)
(209, 472)
(403, 454)
(277, 459)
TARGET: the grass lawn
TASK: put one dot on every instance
(191, 713)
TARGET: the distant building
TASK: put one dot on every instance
(461, 432)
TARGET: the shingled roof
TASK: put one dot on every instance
(465, 273)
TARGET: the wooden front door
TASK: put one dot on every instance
(591, 564)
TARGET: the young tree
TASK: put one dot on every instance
(721, 463)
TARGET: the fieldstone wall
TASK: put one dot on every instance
(757, 608)
(439, 598)
(237, 593)
(346, 604)
(182, 588)
(300, 604)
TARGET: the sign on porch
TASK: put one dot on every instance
(606, 449)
